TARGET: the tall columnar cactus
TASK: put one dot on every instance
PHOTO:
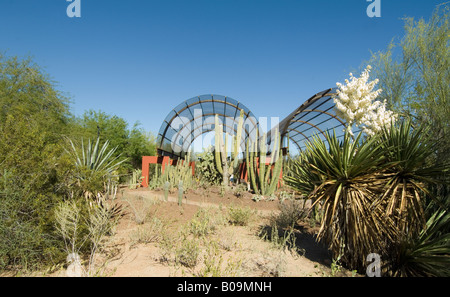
(226, 166)
(264, 181)
(166, 190)
(180, 193)
(182, 171)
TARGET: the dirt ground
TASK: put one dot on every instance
(158, 238)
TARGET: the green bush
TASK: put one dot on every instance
(37, 173)
(26, 239)
(33, 115)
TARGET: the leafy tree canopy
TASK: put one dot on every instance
(132, 143)
(414, 73)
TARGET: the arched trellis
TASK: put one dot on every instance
(186, 122)
(195, 116)
(315, 116)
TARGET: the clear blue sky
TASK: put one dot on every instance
(140, 58)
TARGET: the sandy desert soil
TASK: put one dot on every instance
(158, 238)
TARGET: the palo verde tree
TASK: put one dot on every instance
(33, 115)
(414, 73)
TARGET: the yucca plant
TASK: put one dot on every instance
(373, 193)
(421, 243)
(427, 254)
(407, 185)
(299, 176)
(94, 166)
(345, 180)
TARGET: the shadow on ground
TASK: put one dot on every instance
(303, 240)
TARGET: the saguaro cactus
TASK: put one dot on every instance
(224, 166)
(264, 180)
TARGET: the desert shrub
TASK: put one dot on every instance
(140, 207)
(167, 245)
(201, 224)
(84, 228)
(206, 221)
(26, 243)
(239, 190)
(148, 233)
(240, 216)
(213, 263)
(188, 252)
(291, 211)
(271, 263)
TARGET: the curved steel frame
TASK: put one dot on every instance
(314, 117)
(189, 129)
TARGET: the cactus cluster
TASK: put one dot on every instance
(179, 173)
(135, 179)
(264, 177)
(173, 175)
(227, 166)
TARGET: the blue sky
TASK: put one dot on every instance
(140, 58)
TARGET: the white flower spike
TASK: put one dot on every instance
(356, 103)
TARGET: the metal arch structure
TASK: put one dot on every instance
(315, 116)
(196, 116)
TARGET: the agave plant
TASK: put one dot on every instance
(94, 165)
